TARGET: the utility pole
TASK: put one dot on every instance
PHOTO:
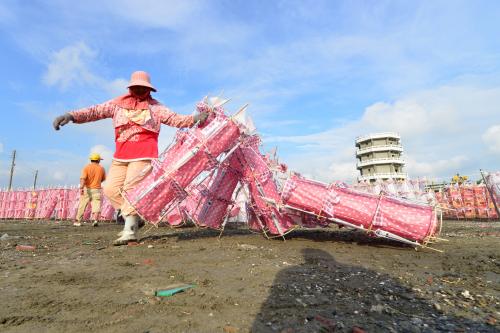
(12, 169)
(34, 182)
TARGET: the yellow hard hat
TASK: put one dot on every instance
(95, 157)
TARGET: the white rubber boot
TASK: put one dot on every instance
(129, 232)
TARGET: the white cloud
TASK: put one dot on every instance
(435, 168)
(1, 147)
(439, 130)
(115, 87)
(69, 66)
(405, 116)
(58, 176)
(105, 152)
(492, 138)
(72, 66)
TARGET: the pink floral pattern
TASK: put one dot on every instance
(160, 114)
(129, 133)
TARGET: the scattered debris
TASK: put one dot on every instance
(230, 329)
(328, 325)
(466, 294)
(173, 289)
(247, 247)
(379, 308)
(148, 262)
(25, 248)
(491, 321)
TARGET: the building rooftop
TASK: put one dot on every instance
(378, 136)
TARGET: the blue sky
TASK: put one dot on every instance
(317, 74)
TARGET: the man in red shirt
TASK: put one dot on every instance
(137, 118)
(92, 176)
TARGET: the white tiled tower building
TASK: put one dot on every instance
(379, 156)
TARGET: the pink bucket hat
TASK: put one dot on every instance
(140, 78)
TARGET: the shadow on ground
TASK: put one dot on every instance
(317, 235)
(323, 295)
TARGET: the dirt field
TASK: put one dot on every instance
(316, 281)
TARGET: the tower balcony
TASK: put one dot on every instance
(386, 175)
(372, 149)
(376, 161)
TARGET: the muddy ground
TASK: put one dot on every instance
(316, 281)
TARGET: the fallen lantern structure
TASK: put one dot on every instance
(199, 176)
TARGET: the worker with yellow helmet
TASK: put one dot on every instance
(92, 176)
